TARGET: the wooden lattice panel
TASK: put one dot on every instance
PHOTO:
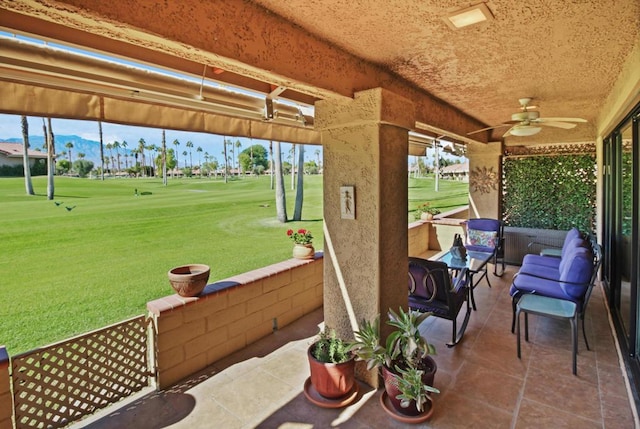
(61, 383)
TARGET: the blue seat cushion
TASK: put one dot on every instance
(524, 283)
(571, 281)
(551, 261)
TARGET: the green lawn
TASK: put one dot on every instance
(66, 272)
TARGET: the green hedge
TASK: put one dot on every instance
(550, 192)
(39, 168)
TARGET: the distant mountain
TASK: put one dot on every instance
(90, 148)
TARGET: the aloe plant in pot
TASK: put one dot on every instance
(332, 368)
(408, 370)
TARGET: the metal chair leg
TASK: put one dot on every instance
(574, 341)
(584, 333)
(517, 316)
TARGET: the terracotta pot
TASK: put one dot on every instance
(331, 380)
(426, 216)
(189, 280)
(303, 251)
(391, 386)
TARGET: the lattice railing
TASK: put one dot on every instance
(63, 382)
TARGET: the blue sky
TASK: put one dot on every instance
(211, 143)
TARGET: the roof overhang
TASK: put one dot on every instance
(43, 81)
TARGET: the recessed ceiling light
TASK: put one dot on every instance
(469, 16)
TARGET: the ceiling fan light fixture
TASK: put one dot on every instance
(524, 130)
(469, 16)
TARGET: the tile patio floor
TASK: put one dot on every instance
(483, 384)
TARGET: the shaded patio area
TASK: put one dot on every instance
(482, 382)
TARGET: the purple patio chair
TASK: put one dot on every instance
(487, 235)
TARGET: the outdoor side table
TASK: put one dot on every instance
(475, 263)
(549, 307)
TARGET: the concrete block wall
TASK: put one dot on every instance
(193, 333)
(6, 400)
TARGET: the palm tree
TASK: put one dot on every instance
(206, 160)
(81, 155)
(110, 158)
(51, 151)
(25, 156)
(199, 150)
(238, 146)
(281, 203)
(153, 149)
(126, 155)
(141, 148)
(226, 160)
(176, 143)
(69, 146)
(116, 146)
(184, 153)
(317, 153)
(297, 213)
(105, 161)
(101, 151)
(164, 159)
(293, 164)
(271, 161)
(189, 144)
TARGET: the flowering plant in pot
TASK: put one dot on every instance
(301, 236)
(332, 368)
(302, 240)
(424, 211)
(405, 360)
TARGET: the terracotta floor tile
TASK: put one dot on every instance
(568, 393)
(535, 415)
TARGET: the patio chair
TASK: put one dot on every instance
(487, 235)
(575, 279)
(556, 251)
(433, 290)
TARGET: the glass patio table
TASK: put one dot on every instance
(476, 262)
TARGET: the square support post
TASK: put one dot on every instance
(365, 143)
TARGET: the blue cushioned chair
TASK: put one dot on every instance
(572, 279)
(553, 251)
(486, 235)
(432, 290)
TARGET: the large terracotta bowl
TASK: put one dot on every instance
(189, 280)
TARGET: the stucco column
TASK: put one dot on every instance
(485, 179)
(365, 145)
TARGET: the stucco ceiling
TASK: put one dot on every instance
(566, 55)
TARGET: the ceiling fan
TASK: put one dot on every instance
(528, 122)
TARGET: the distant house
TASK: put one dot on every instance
(11, 154)
(456, 171)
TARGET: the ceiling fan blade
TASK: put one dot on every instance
(564, 125)
(508, 133)
(506, 124)
(561, 120)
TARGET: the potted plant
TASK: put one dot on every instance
(425, 212)
(332, 368)
(408, 370)
(302, 243)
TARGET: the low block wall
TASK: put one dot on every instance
(193, 333)
(6, 401)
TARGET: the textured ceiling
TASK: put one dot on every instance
(566, 55)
